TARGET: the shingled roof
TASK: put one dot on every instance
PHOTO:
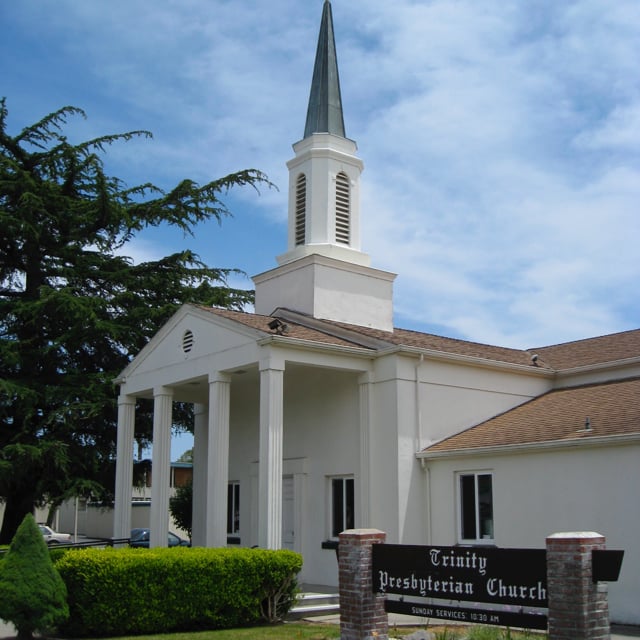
(563, 415)
(610, 348)
(592, 351)
(294, 330)
(453, 346)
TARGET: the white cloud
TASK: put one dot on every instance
(500, 138)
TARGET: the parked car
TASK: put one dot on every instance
(53, 537)
(140, 538)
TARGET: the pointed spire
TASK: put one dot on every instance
(324, 114)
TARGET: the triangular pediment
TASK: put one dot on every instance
(185, 347)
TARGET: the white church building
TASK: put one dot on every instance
(315, 414)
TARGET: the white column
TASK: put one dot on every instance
(217, 461)
(363, 488)
(200, 448)
(161, 466)
(270, 472)
(124, 467)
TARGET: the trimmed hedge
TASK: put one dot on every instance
(146, 591)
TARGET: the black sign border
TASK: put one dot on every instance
(464, 615)
(506, 564)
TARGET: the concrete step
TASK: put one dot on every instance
(309, 604)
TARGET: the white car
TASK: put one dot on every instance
(51, 537)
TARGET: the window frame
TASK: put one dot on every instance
(480, 522)
(233, 508)
(347, 520)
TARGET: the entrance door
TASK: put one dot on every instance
(288, 533)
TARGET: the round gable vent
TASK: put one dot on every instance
(187, 341)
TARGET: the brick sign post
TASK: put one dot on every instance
(362, 612)
(578, 607)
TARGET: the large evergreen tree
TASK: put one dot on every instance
(74, 310)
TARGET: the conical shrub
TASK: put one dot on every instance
(32, 594)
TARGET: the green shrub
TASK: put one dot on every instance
(32, 593)
(134, 591)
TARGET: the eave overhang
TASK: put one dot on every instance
(580, 442)
(313, 345)
(474, 361)
(614, 365)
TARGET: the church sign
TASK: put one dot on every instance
(512, 581)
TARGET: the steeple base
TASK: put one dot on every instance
(328, 289)
(332, 251)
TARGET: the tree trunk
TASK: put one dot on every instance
(15, 509)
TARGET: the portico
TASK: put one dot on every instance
(247, 421)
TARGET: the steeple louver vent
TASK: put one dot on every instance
(187, 341)
(343, 209)
(301, 209)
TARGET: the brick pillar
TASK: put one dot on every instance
(578, 607)
(362, 614)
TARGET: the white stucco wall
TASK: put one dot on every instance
(417, 402)
(534, 495)
(456, 396)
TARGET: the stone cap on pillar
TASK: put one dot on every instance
(362, 534)
(568, 538)
(575, 534)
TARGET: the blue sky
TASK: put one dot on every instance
(501, 139)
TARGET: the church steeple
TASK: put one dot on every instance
(324, 273)
(324, 113)
(324, 176)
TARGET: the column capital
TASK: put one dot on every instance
(200, 409)
(218, 376)
(271, 363)
(161, 390)
(125, 399)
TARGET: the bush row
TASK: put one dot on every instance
(115, 592)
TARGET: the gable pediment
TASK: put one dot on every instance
(185, 346)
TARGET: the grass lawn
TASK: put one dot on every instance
(289, 631)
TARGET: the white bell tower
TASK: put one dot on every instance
(324, 273)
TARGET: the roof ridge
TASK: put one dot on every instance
(583, 340)
(462, 340)
(324, 326)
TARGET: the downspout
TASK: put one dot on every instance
(427, 512)
(418, 447)
(418, 424)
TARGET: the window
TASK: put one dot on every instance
(301, 209)
(233, 508)
(343, 209)
(476, 507)
(342, 503)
